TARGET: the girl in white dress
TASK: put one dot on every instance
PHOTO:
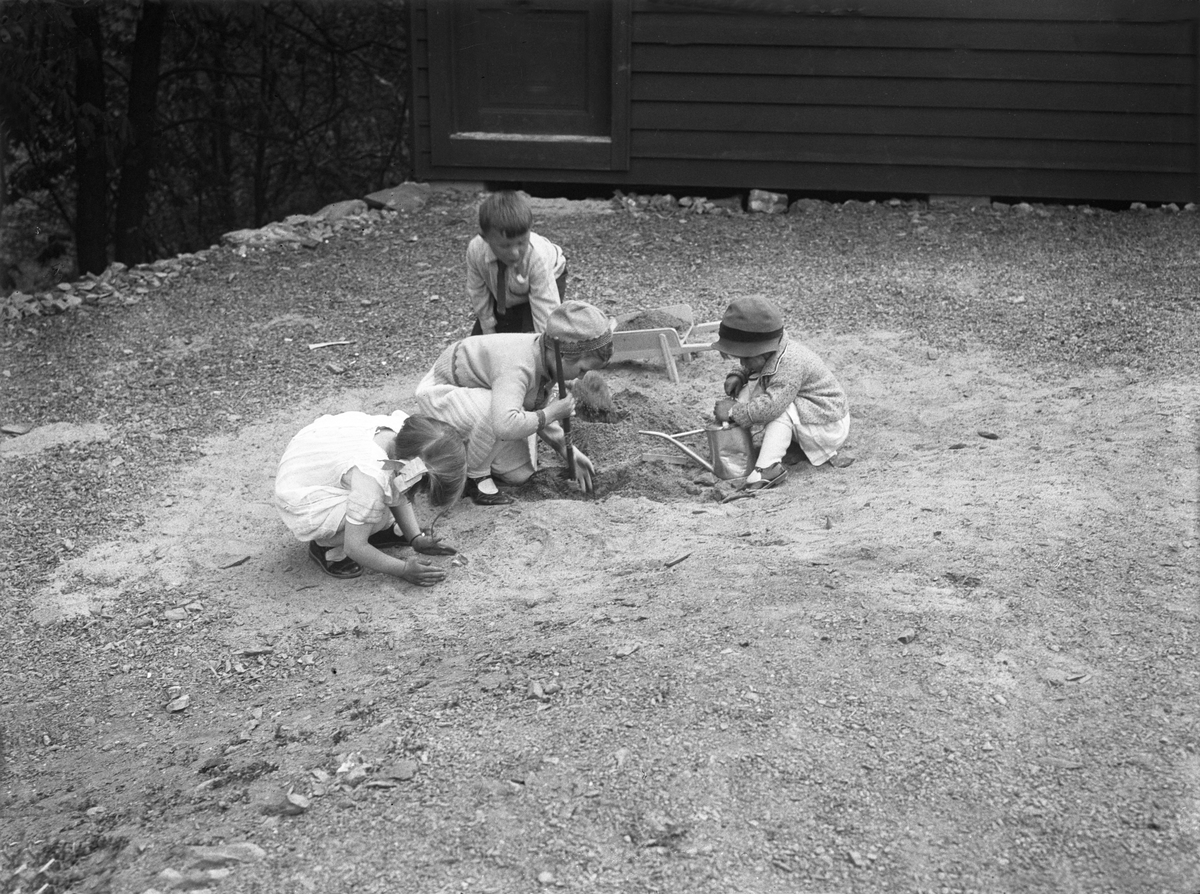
(345, 485)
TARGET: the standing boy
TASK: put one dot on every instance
(515, 277)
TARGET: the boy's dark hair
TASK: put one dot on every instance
(507, 212)
(442, 450)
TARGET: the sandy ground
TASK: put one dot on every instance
(964, 662)
(948, 557)
(976, 462)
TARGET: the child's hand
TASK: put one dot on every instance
(723, 408)
(584, 472)
(561, 409)
(429, 545)
(422, 572)
(733, 384)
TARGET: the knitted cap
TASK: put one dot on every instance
(752, 325)
(578, 327)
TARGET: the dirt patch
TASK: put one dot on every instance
(966, 662)
(655, 319)
(56, 434)
(617, 446)
(858, 602)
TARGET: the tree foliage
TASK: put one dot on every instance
(209, 116)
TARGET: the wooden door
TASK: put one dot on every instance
(529, 83)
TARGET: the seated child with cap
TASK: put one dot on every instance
(498, 391)
(779, 386)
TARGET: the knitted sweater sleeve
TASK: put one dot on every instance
(803, 380)
(515, 377)
(769, 405)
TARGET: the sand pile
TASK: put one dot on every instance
(616, 447)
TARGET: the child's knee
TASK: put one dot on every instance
(780, 429)
(516, 476)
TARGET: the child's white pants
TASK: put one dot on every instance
(469, 410)
(820, 443)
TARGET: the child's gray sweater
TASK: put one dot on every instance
(794, 375)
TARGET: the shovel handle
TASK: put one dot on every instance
(566, 421)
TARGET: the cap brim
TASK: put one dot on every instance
(746, 348)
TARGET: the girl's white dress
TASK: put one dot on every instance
(312, 484)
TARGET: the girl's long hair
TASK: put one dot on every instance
(442, 450)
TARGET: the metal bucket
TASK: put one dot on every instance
(731, 449)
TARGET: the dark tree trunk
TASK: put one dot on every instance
(263, 129)
(91, 163)
(138, 159)
(3, 155)
(221, 134)
(5, 276)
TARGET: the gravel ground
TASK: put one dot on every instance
(1055, 289)
(1076, 308)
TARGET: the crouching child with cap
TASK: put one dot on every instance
(780, 387)
(499, 391)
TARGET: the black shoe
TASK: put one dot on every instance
(387, 539)
(481, 499)
(772, 476)
(346, 568)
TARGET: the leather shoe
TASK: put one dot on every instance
(479, 498)
(388, 538)
(772, 476)
(344, 569)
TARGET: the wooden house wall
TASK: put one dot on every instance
(1055, 99)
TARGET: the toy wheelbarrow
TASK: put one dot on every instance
(730, 449)
(664, 343)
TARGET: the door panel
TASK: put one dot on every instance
(529, 83)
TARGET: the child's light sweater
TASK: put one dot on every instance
(512, 366)
(794, 375)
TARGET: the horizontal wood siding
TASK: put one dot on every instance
(1033, 124)
(924, 98)
(1012, 97)
(979, 67)
(987, 10)
(1052, 99)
